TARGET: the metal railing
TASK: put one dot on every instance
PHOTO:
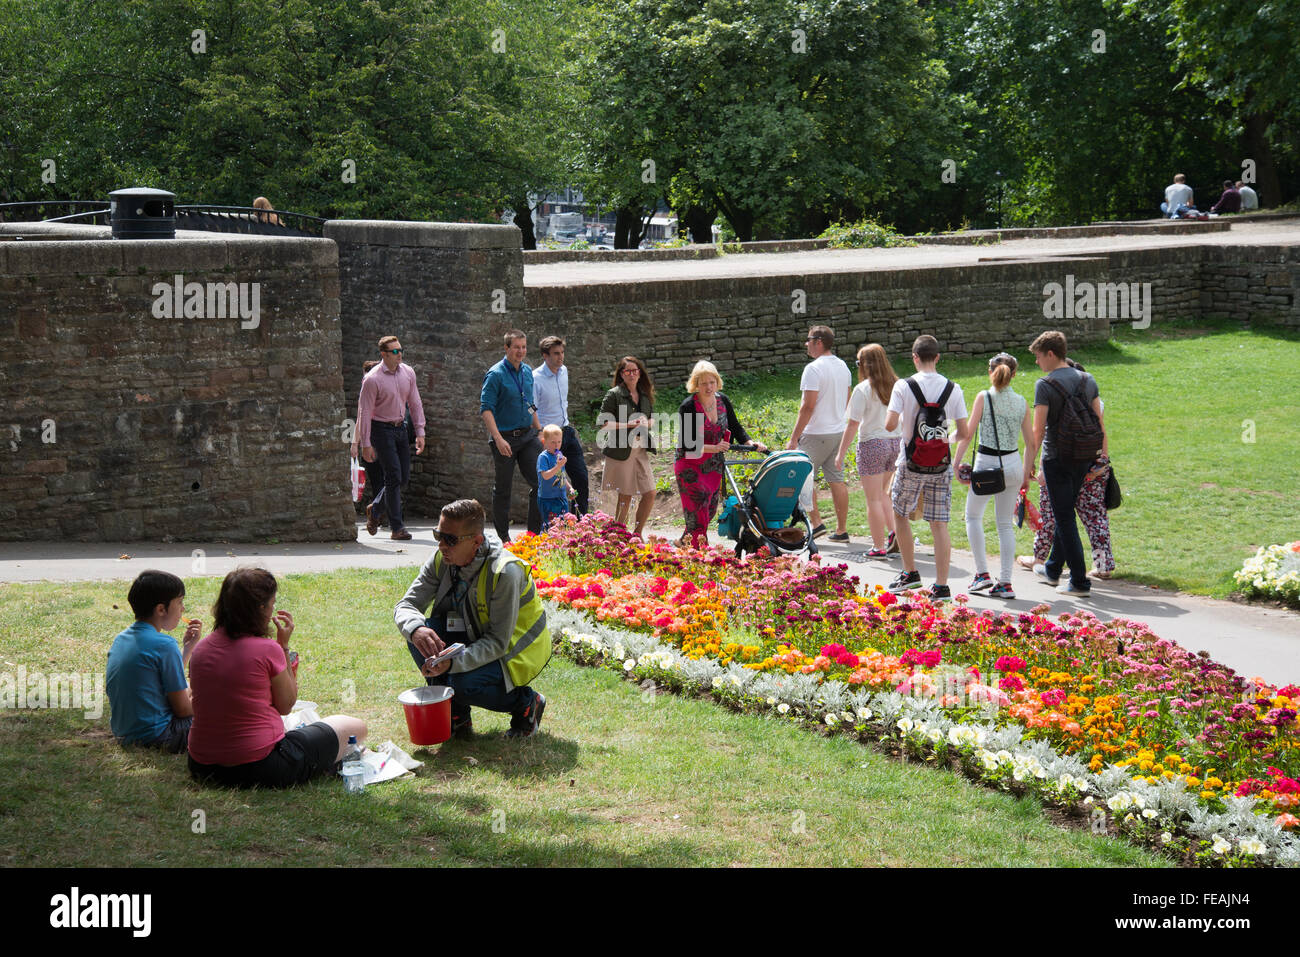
(222, 219)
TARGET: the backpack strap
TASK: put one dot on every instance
(943, 396)
(916, 391)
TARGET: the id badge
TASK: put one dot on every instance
(455, 623)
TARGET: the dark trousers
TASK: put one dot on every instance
(576, 466)
(524, 449)
(1063, 480)
(484, 687)
(393, 452)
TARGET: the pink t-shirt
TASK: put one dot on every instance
(230, 680)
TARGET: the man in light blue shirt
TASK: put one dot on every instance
(551, 387)
(510, 417)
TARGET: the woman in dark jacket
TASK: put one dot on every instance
(625, 437)
(707, 426)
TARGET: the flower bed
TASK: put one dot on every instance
(1106, 710)
(1274, 572)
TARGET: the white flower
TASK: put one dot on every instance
(1221, 846)
(905, 725)
(1088, 800)
(717, 681)
(1166, 837)
(864, 714)
(782, 708)
(1149, 813)
(846, 716)
(629, 664)
(1250, 845)
(935, 735)
(618, 651)
(1128, 818)
(735, 680)
(771, 700)
(1120, 801)
(831, 719)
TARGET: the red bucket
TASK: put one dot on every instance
(428, 713)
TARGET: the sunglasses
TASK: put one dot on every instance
(396, 352)
(448, 539)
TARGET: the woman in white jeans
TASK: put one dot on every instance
(1003, 417)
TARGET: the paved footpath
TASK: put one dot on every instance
(1254, 640)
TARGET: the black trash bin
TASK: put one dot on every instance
(142, 213)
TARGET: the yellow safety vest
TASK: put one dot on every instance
(530, 645)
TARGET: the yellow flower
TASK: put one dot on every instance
(1213, 782)
(1208, 794)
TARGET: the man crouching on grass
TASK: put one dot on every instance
(482, 596)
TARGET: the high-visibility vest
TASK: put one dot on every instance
(530, 645)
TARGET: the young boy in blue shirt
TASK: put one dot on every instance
(552, 496)
(150, 699)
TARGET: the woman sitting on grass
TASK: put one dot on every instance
(241, 684)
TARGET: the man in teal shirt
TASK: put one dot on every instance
(510, 417)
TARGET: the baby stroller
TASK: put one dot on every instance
(768, 512)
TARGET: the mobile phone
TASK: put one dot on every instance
(451, 651)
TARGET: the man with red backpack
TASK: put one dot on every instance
(1068, 427)
(925, 404)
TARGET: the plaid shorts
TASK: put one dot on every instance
(909, 485)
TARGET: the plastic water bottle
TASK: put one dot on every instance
(354, 768)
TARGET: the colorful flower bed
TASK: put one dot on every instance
(1180, 751)
(1274, 572)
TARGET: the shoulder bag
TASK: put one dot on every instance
(988, 481)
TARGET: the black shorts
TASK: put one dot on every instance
(299, 756)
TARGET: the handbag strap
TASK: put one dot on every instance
(997, 443)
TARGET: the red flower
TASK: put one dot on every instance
(1009, 663)
(887, 598)
(1011, 683)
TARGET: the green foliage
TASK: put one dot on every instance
(864, 233)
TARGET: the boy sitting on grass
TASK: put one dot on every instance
(146, 670)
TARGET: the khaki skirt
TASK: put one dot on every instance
(631, 477)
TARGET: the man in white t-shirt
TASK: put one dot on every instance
(924, 464)
(1177, 194)
(1249, 198)
(825, 385)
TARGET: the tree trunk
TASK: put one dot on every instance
(524, 220)
(628, 227)
(698, 220)
(1266, 184)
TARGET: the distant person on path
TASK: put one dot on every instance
(387, 392)
(1068, 429)
(551, 389)
(1003, 418)
(552, 491)
(510, 417)
(1229, 199)
(1249, 198)
(625, 422)
(374, 470)
(877, 446)
(243, 685)
(480, 595)
(819, 427)
(150, 700)
(263, 203)
(923, 406)
(1177, 194)
(707, 426)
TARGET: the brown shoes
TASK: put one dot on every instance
(372, 523)
(401, 535)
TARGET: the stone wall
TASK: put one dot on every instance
(121, 426)
(448, 291)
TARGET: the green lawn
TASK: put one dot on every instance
(616, 778)
(1182, 406)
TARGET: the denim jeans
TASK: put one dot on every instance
(524, 449)
(1063, 480)
(484, 687)
(393, 453)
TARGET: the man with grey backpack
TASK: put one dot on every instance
(1068, 427)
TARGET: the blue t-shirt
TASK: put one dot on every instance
(508, 395)
(144, 667)
(549, 488)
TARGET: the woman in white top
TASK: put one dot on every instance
(877, 447)
(1006, 415)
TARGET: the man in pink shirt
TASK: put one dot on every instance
(387, 391)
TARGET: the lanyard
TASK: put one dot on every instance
(517, 375)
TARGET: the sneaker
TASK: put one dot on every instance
(940, 593)
(905, 581)
(981, 582)
(462, 730)
(1002, 590)
(819, 531)
(524, 724)
(838, 537)
(877, 553)
(892, 547)
(1041, 571)
(1069, 588)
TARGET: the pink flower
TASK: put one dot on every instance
(1011, 683)
(1009, 663)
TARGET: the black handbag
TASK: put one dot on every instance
(988, 481)
(1114, 499)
